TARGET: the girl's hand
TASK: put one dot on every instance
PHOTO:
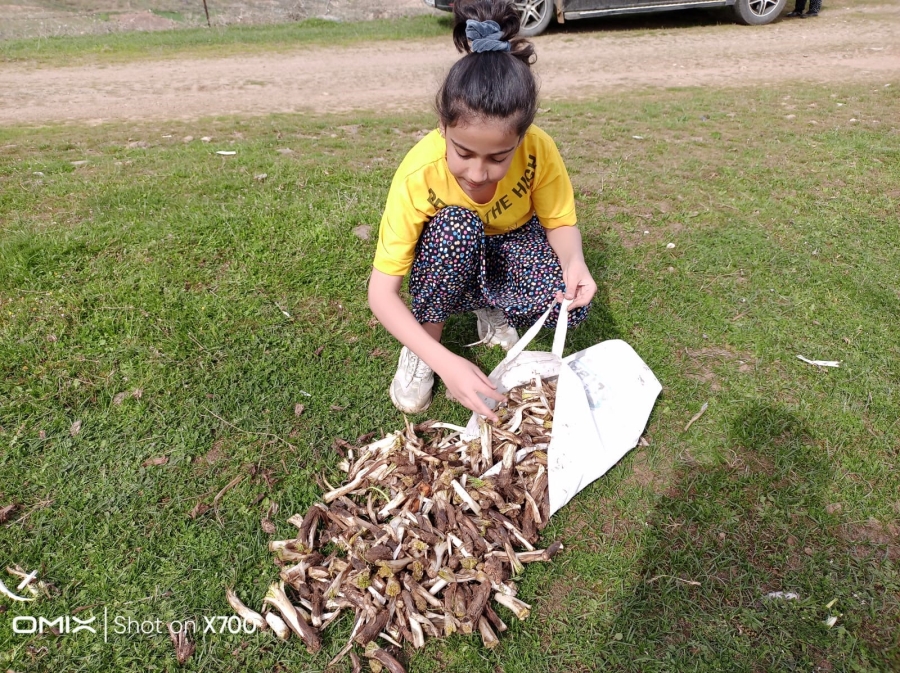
(464, 381)
(580, 285)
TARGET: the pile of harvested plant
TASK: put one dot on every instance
(426, 529)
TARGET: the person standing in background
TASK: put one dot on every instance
(814, 7)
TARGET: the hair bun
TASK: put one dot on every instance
(494, 79)
(500, 13)
(485, 36)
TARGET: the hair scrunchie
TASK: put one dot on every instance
(485, 36)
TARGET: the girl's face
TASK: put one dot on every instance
(479, 154)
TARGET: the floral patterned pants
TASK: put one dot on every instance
(457, 268)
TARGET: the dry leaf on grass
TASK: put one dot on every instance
(136, 394)
(200, 509)
(363, 232)
(6, 512)
(299, 409)
(215, 454)
(268, 476)
(159, 460)
(336, 407)
(266, 522)
(184, 648)
(365, 439)
(340, 445)
(75, 428)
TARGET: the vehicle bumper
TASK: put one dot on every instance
(443, 5)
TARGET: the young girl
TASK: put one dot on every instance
(480, 214)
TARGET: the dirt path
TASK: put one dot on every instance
(848, 44)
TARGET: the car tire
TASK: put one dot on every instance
(536, 16)
(757, 12)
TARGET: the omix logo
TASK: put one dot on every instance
(24, 624)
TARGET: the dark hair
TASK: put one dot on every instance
(491, 84)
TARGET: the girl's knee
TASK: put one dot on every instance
(456, 219)
(453, 231)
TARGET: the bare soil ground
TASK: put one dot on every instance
(849, 42)
(52, 18)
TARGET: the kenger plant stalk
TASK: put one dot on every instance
(425, 532)
(243, 611)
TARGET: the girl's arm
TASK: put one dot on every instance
(463, 379)
(580, 285)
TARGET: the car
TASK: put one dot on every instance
(537, 14)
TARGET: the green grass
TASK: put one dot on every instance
(216, 41)
(168, 14)
(163, 268)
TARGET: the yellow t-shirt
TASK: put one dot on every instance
(536, 183)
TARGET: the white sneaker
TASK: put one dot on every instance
(494, 330)
(411, 388)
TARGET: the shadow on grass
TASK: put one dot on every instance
(725, 537)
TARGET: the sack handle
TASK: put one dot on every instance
(562, 327)
(559, 337)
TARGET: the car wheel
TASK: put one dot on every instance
(536, 15)
(757, 12)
